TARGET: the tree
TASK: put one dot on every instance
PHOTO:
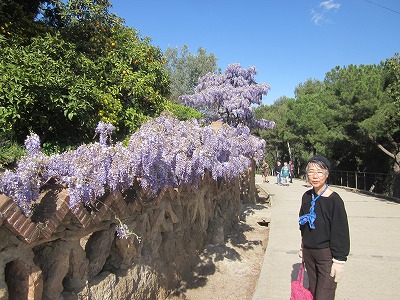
(186, 68)
(358, 92)
(383, 126)
(392, 76)
(18, 19)
(90, 26)
(229, 97)
(312, 118)
(348, 115)
(88, 68)
(276, 143)
(310, 86)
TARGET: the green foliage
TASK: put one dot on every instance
(89, 25)
(129, 70)
(87, 68)
(310, 86)
(18, 19)
(392, 76)
(186, 68)
(39, 88)
(182, 112)
(312, 118)
(276, 146)
(10, 153)
(132, 74)
(359, 92)
(352, 117)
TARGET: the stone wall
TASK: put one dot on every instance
(59, 253)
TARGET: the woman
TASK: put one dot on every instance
(324, 230)
(265, 171)
(285, 174)
(277, 172)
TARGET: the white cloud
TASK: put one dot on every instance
(330, 4)
(318, 15)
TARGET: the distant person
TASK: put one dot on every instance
(291, 167)
(277, 172)
(265, 171)
(285, 173)
(324, 230)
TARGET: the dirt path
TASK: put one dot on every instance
(231, 270)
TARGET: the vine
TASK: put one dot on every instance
(164, 152)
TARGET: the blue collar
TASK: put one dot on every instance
(311, 216)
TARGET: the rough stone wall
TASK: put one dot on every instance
(60, 253)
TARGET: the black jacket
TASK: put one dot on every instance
(331, 225)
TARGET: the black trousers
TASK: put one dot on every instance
(318, 265)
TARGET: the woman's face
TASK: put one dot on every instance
(316, 175)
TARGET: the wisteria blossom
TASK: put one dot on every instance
(123, 232)
(165, 152)
(229, 97)
(104, 130)
(32, 144)
(24, 184)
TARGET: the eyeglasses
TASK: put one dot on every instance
(318, 173)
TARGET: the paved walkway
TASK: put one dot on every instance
(373, 267)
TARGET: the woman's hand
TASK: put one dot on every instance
(337, 269)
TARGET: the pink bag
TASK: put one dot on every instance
(299, 292)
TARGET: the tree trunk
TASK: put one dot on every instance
(396, 165)
(396, 174)
(290, 151)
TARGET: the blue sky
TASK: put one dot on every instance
(287, 41)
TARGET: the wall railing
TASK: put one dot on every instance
(366, 181)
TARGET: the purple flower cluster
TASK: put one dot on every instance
(83, 171)
(24, 185)
(123, 232)
(230, 97)
(104, 130)
(32, 144)
(164, 152)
